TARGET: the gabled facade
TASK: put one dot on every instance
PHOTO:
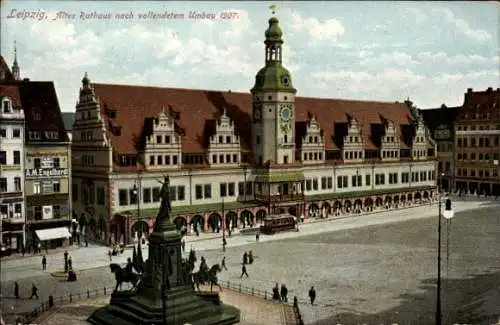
(477, 143)
(234, 157)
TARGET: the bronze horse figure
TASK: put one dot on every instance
(122, 275)
(210, 276)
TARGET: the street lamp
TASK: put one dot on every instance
(448, 213)
(223, 227)
(135, 191)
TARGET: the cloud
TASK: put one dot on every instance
(397, 84)
(461, 59)
(462, 25)
(387, 59)
(419, 16)
(328, 30)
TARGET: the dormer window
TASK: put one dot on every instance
(221, 139)
(158, 139)
(228, 139)
(310, 139)
(6, 106)
(167, 139)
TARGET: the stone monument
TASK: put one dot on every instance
(165, 294)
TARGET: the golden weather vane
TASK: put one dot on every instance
(273, 8)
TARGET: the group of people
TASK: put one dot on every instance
(280, 294)
(34, 291)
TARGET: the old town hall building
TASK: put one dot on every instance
(233, 157)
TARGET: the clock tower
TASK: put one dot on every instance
(273, 96)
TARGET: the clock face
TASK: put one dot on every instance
(285, 80)
(286, 113)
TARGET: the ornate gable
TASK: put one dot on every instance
(420, 140)
(163, 146)
(389, 143)
(313, 145)
(352, 148)
(89, 128)
(224, 145)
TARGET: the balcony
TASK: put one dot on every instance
(280, 198)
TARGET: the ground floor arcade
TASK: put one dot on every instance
(126, 228)
(487, 188)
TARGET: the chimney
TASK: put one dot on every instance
(26, 79)
(469, 90)
(489, 90)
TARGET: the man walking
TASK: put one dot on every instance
(243, 271)
(223, 263)
(284, 293)
(16, 290)
(44, 263)
(312, 295)
(34, 291)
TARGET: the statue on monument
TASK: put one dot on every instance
(165, 212)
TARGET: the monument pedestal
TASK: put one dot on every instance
(165, 283)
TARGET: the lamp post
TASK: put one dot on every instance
(223, 227)
(135, 191)
(447, 214)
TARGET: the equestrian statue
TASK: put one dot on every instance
(124, 275)
(204, 276)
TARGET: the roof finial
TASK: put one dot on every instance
(85, 80)
(15, 52)
(224, 111)
(273, 9)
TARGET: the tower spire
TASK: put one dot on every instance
(15, 66)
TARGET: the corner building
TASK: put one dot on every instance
(232, 157)
(12, 214)
(477, 144)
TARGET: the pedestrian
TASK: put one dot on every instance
(110, 254)
(16, 290)
(257, 236)
(34, 291)
(23, 250)
(223, 263)
(183, 245)
(250, 257)
(86, 242)
(276, 292)
(39, 248)
(243, 271)
(245, 258)
(312, 295)
(70, 264)
(44, 263)
(284, 293)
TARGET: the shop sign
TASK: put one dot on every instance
(54, 172)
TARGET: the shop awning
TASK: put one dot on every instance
(53, 233)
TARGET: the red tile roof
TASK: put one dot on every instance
(37, 98)
(480, 105)
(135, 104)
(5, 68)
(12, 92)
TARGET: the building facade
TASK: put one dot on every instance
(12, 212)
(477, 143)
(441, 125)
(234, 158)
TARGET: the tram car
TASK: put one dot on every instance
(278, 223)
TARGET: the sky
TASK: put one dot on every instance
(430, 52)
